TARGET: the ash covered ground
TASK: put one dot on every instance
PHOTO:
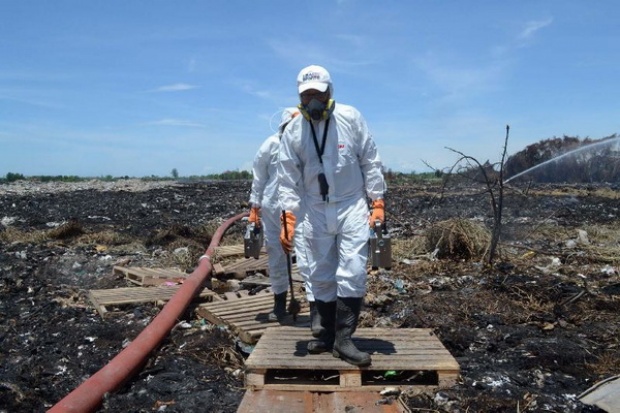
(531, 332)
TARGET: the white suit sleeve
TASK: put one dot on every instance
(370, 163)
(260, 172)
(289, 172)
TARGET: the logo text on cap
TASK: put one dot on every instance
(311, 76)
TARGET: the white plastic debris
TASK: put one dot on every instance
(233, 285)
(605, 395)
(582, 237)
(181, 251)
(552, 266)
(608, 270)
(390, 391)
(54, 224)
(6, 221)
(440, 398)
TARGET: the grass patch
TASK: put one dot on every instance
(458, 239)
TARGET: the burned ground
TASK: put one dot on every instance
(531, 332)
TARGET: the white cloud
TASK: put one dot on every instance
(177, 87)
(251, 88)
(177, 122)
(457, 80)
(532, 27)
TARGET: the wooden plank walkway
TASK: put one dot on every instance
(413, 360)
(101, 299)
(144, 276)
(247, 315)
(278, 401)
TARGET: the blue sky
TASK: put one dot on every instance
(139, 88)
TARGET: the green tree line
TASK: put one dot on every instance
(390, 176)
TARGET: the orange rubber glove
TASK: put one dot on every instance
(288, 231)
(378, 212)
(255, 216)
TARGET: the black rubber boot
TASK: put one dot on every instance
(327, 314)
(315, 321)
(279, 307)
(347, 316)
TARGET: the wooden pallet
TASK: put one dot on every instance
(247, 315)
(232, 250)
(413, 360)
(100, 299)
(244, 267)
(260, 279)
(149, 276)
(278, 401)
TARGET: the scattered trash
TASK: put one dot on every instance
(6, 221)
(604, 394)
(551, 267)
(528, 255)
(582, 237)
(609, 270)
(390, 391)
(390, 374)
(400, 286)
(244, 347)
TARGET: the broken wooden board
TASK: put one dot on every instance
(279, 401)
(150, 276)
(247, 315)
(412, 360)
(100, 299)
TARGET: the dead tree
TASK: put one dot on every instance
(494, 186)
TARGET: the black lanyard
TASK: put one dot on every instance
(323, 185)
(321, 149)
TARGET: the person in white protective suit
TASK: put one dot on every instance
(265, 212)
(329, 168)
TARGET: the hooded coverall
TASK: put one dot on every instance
(264, 194)
(335, 230)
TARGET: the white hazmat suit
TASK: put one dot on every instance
(335, 230)
(328, 167)
(264, 194)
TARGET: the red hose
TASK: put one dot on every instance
(88, 396)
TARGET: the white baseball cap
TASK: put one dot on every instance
(287, 115)
(313, 77)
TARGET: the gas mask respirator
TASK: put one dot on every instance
(317, 110)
